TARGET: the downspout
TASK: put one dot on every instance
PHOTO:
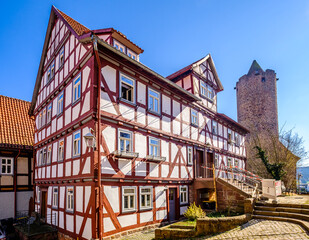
(98, 147)
(15, 182)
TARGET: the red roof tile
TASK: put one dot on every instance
(76, 26)
(16, 127)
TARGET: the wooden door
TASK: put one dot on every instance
(200, 163)
(172, 204)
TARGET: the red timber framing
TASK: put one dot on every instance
(95, 193)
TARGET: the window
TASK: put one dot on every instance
(210, 93)
(49, 153)
(153, 101)
(6, 165)
(203, 90)
(127, 88)
(229, 135)
(236, 163)
(154, 147)
(40, 120)
(128, 199)
(70, 199)
(76, 143)
(194, 119)
(49, 112)
(229, 162)
(61, 57)
(190, 155)
(55, 197)
(125, 141)
(131, 54)
(38, 197)
(183, 194)
(60, 103)
(44, 156)
(76, 89)
(119, 46)
(61, 150)
(40, 157)
(214, 127)
(51, 72)
(44, 117)
(237, 139)
(145, 197)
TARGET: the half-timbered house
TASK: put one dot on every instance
(16, 157)
(117, 145)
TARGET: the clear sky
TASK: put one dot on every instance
(175, 33)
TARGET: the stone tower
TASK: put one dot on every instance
(257, 101)
(257, 111)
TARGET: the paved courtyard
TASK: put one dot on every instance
(253, 230)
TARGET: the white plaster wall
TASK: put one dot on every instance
(127, 112)
(60, 170)
(6, 205)
(127, 220)
(153, 170)
(140, 168)
(125, 166)
(112, 194)
(176, 127)
(70, 223)
(166, 106)
(106, 166)
(68, 95)
(79, 197)
(76, 164)
(68, 169)
(165, 150)
(106, 104)
(185, 113)
(108, 224)
(109, 133)
(162, 214)
(166, 124)
(146, 217)
(68, 147)
(75, 112)
(141, 145)
(176, 109)
(175, 172)
(160, 197)
(109, 75)
(164, 170)
(153, 121)
(86, 168)
(140, 115)
(141, 93)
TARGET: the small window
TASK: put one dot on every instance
(236, 163)
(131, 54)
(153, 101)
(6, 166)
(76, 144)
(203, 90)
(263, 79)
(76, 89)
(229, 135)
(61, 150)
(183, 194)
(60, 103)
(229, 162)
(119, 46)
(210, 93)
(214, 127)
(44, 158)
(194, 118)
(52, 70)
(128, 199)
(217, 163)
(154, 147)
(61, 57)
(70, 199)
(125, 141)
(49, 153)
(127, 86)
(237, 139)
(190, 155)
(40, 160)
(145, 197)
(49, 112)
(40, 120)
(43, 117)
(55, 197)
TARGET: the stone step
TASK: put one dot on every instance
(302, 223)
(282, 214)
(282, 209)
(181, 226)
(286, 205)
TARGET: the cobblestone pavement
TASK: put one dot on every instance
(253, 230)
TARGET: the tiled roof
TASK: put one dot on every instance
(16, 127)
(76, 26)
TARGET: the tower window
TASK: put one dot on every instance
(263, 79)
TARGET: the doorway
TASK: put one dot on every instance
(172, 204)
(201, 171)
(43, 204)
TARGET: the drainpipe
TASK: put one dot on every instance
(98, 149)
(15, 182)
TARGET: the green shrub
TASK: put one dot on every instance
(193, 212)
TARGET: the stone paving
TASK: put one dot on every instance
(253, 230)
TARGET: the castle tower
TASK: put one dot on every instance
(257, 101)
(257, 111)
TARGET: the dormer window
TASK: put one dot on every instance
(127, 88)
(206, 91)
(210, 93)
(132, 54)
(203, 90)
(119, 46)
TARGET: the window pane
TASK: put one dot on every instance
(131, 201)
(125, 135)
(155, 94)
(129, 190)
(121, 145)
(126, 80)
(125, 204)
(143, 204)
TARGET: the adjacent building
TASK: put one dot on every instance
(118, 146)
(16, 157)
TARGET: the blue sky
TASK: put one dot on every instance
(175, 33)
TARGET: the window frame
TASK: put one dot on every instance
(49, 110)
(195, 124)
(58, 152)
(189, 159)
(79, 144)
(119, 139)
(203, 89)
(6, 165)
(44, 156)
(77, 82)
(43, 123)
(133, 54)
(49, 154)
(151, 197)
(181, 192)
(71, 210)
(214, 124)
(61, 54)
(133, 88)
(118, 46)
(55, 206)
(126, 194)
(154, 98)
(158, 147)
(60, 96)
(210, 93)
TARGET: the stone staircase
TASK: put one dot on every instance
(245, 187)
(295, 213)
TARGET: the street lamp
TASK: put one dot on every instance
(90, 139)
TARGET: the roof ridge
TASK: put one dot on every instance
(15, 98)
(79, 28)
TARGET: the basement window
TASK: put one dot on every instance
(127, 87)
